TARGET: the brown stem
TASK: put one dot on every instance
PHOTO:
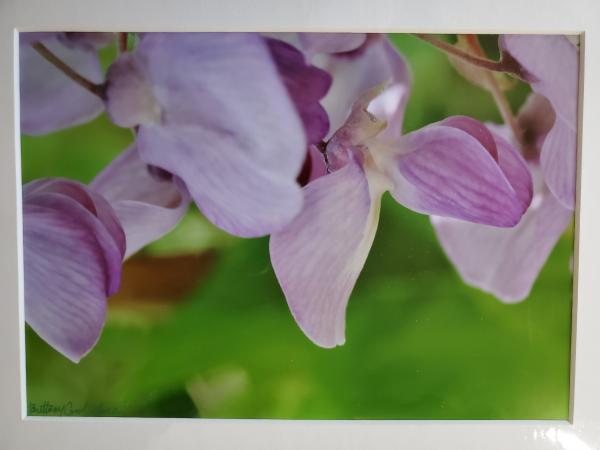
(499, 97)
(122, 42)
(495, 66)
(504, 108)
(96, 89)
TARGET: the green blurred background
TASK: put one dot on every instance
(201, 328)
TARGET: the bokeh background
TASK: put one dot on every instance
(200, 327)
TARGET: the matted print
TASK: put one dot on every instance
(298, 225)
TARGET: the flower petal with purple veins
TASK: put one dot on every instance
(504, 153)
(49, 100)
(221, 120)
(505, 262)
(378, 63)
(476, 129)
(313, 43)
(147, 207)
(443, 170)
(230, 188)
(319, 256)
(72, 262)
(551, 64)
(86, 197)
(306, 84)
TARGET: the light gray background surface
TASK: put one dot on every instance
(537, 16)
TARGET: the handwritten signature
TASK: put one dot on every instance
(48, 408)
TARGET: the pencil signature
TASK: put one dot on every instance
(48, 408)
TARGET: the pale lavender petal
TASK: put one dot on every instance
(230, 188)
(552, 68)
(313, 43)
(131, 100)
(505, 262)
(223, 122)
(502, 150)
(72, 263)
(306, 85)
(107, 229)
(559, 163)
(516, 170)
(476, 129)
(443, 170)
(88, 198)
(319, 256)
(147, 206)
(49, 100)
(379, 62)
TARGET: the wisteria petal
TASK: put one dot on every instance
(560, 165)
(319, 256)
(230, 188)
(443, 170)
(72, 263)
(504, 262)
(306, 85)
(146, 205)
(515, 169)
(509, 159)
(476, 129)
(313, 43)
(86, 197)
(377, 63)
(551, 64)
(226, 82)
(225, 125)
(49, 100)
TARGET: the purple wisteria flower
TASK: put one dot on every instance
(551, 66)
(238, 122)
(456, 168)
(212, 109)
(49, 100)
(506, 262)
(232, 125)
(73, 250)
(76, 238)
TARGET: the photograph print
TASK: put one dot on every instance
(298, 225)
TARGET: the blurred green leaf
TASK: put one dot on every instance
(194, 234)
(79, 152)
